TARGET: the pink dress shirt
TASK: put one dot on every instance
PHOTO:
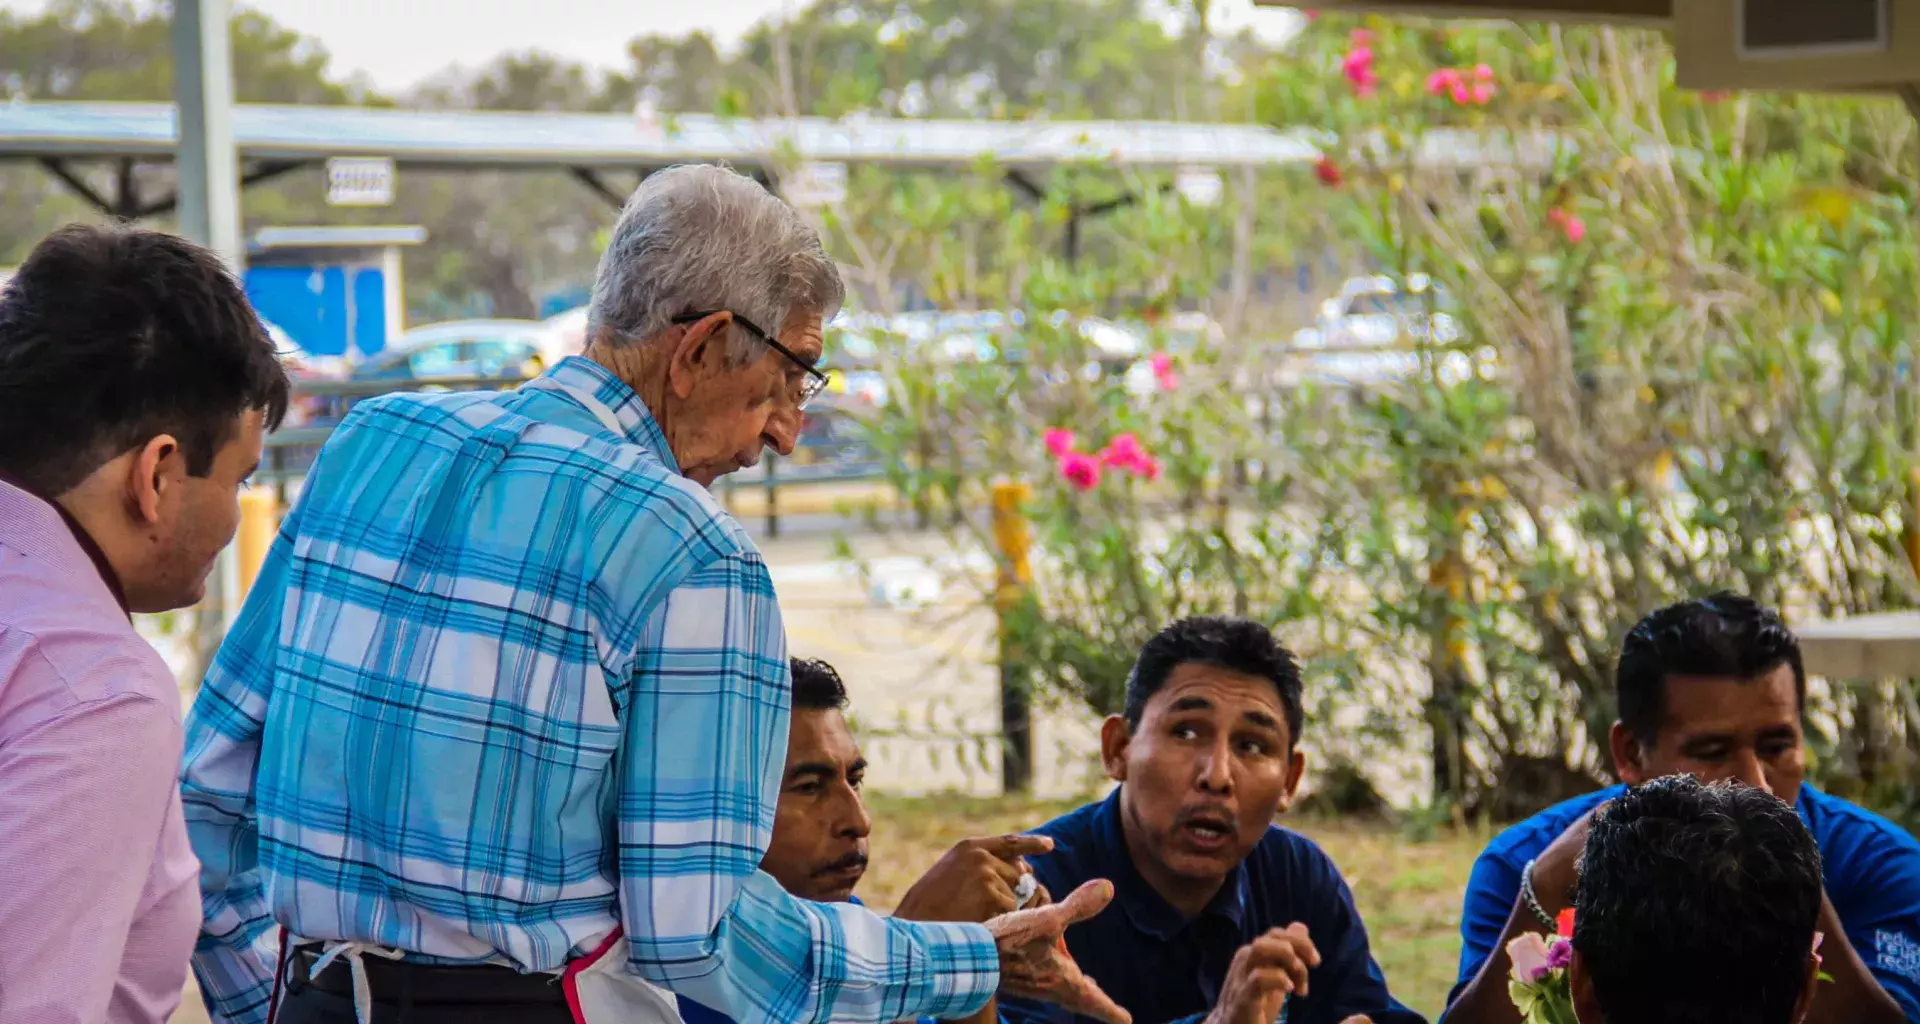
(99, 891)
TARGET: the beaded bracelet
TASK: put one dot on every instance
(1532, 901)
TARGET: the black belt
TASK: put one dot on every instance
(392, 981)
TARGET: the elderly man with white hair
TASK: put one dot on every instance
(499, 732)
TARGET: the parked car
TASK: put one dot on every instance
(507, 349)
(1378, 311)
(304, 367)
(566, 335)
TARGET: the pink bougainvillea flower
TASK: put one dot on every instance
(1443, 81)
(1361, 37)
(1462, 94)
(1059, 441)
(1124, 452)
(1328, 172)
(1163, 371)
(1358, 67)
(1080, 470)
(1570, 225)
(1483, 93)
(1483, 72)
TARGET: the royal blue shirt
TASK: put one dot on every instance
(1163, 966)
(1872, 869)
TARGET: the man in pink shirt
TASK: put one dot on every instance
(136, 384)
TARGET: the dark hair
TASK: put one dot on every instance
(112, 335)
(816, 686)
(1240, 645)
(1723, 636)
(1697, 903)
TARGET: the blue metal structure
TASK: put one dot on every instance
(336, 291)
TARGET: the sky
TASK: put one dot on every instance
(398, 43)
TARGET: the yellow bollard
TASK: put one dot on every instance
(1014, 538)
(259, 521)
(1911, 540)
(1011, 533)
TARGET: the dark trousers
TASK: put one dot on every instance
(405, 993)
(312, 1006)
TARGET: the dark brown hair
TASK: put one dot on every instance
(111, 335)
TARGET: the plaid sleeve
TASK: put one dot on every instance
(705, 743)
(234, 958)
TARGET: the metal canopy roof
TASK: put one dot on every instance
(147, 131)
(1657, 13)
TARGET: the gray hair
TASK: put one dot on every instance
(700, 237)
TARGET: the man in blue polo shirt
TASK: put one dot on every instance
(818, 850)
(1218, 914)
(1712, 688)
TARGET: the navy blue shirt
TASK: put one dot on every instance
(1872, 869)
(1165, 967)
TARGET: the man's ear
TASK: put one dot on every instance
(1629, 756)
(1296, 771)
(1804, 1005)
(1586, 1005)
(1115, 737)
(698, 353)
(154, 474)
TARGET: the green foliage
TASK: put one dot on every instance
(1710, 387)
(1683, 365)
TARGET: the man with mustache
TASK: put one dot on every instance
(820, 830)
(1218, 914)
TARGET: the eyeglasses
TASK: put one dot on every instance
(816, 379)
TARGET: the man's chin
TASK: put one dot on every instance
(1202, 866)
(707, 476)
(142, 601)
(831, 892)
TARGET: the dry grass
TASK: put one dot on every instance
(1409, 892)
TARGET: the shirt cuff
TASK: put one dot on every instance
(966, 968)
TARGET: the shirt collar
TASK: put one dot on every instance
(1146, 908)
(38, 523)
(580, 378)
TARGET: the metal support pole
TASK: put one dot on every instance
(210, 215)
(203, 90)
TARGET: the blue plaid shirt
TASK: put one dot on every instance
(505, 682)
